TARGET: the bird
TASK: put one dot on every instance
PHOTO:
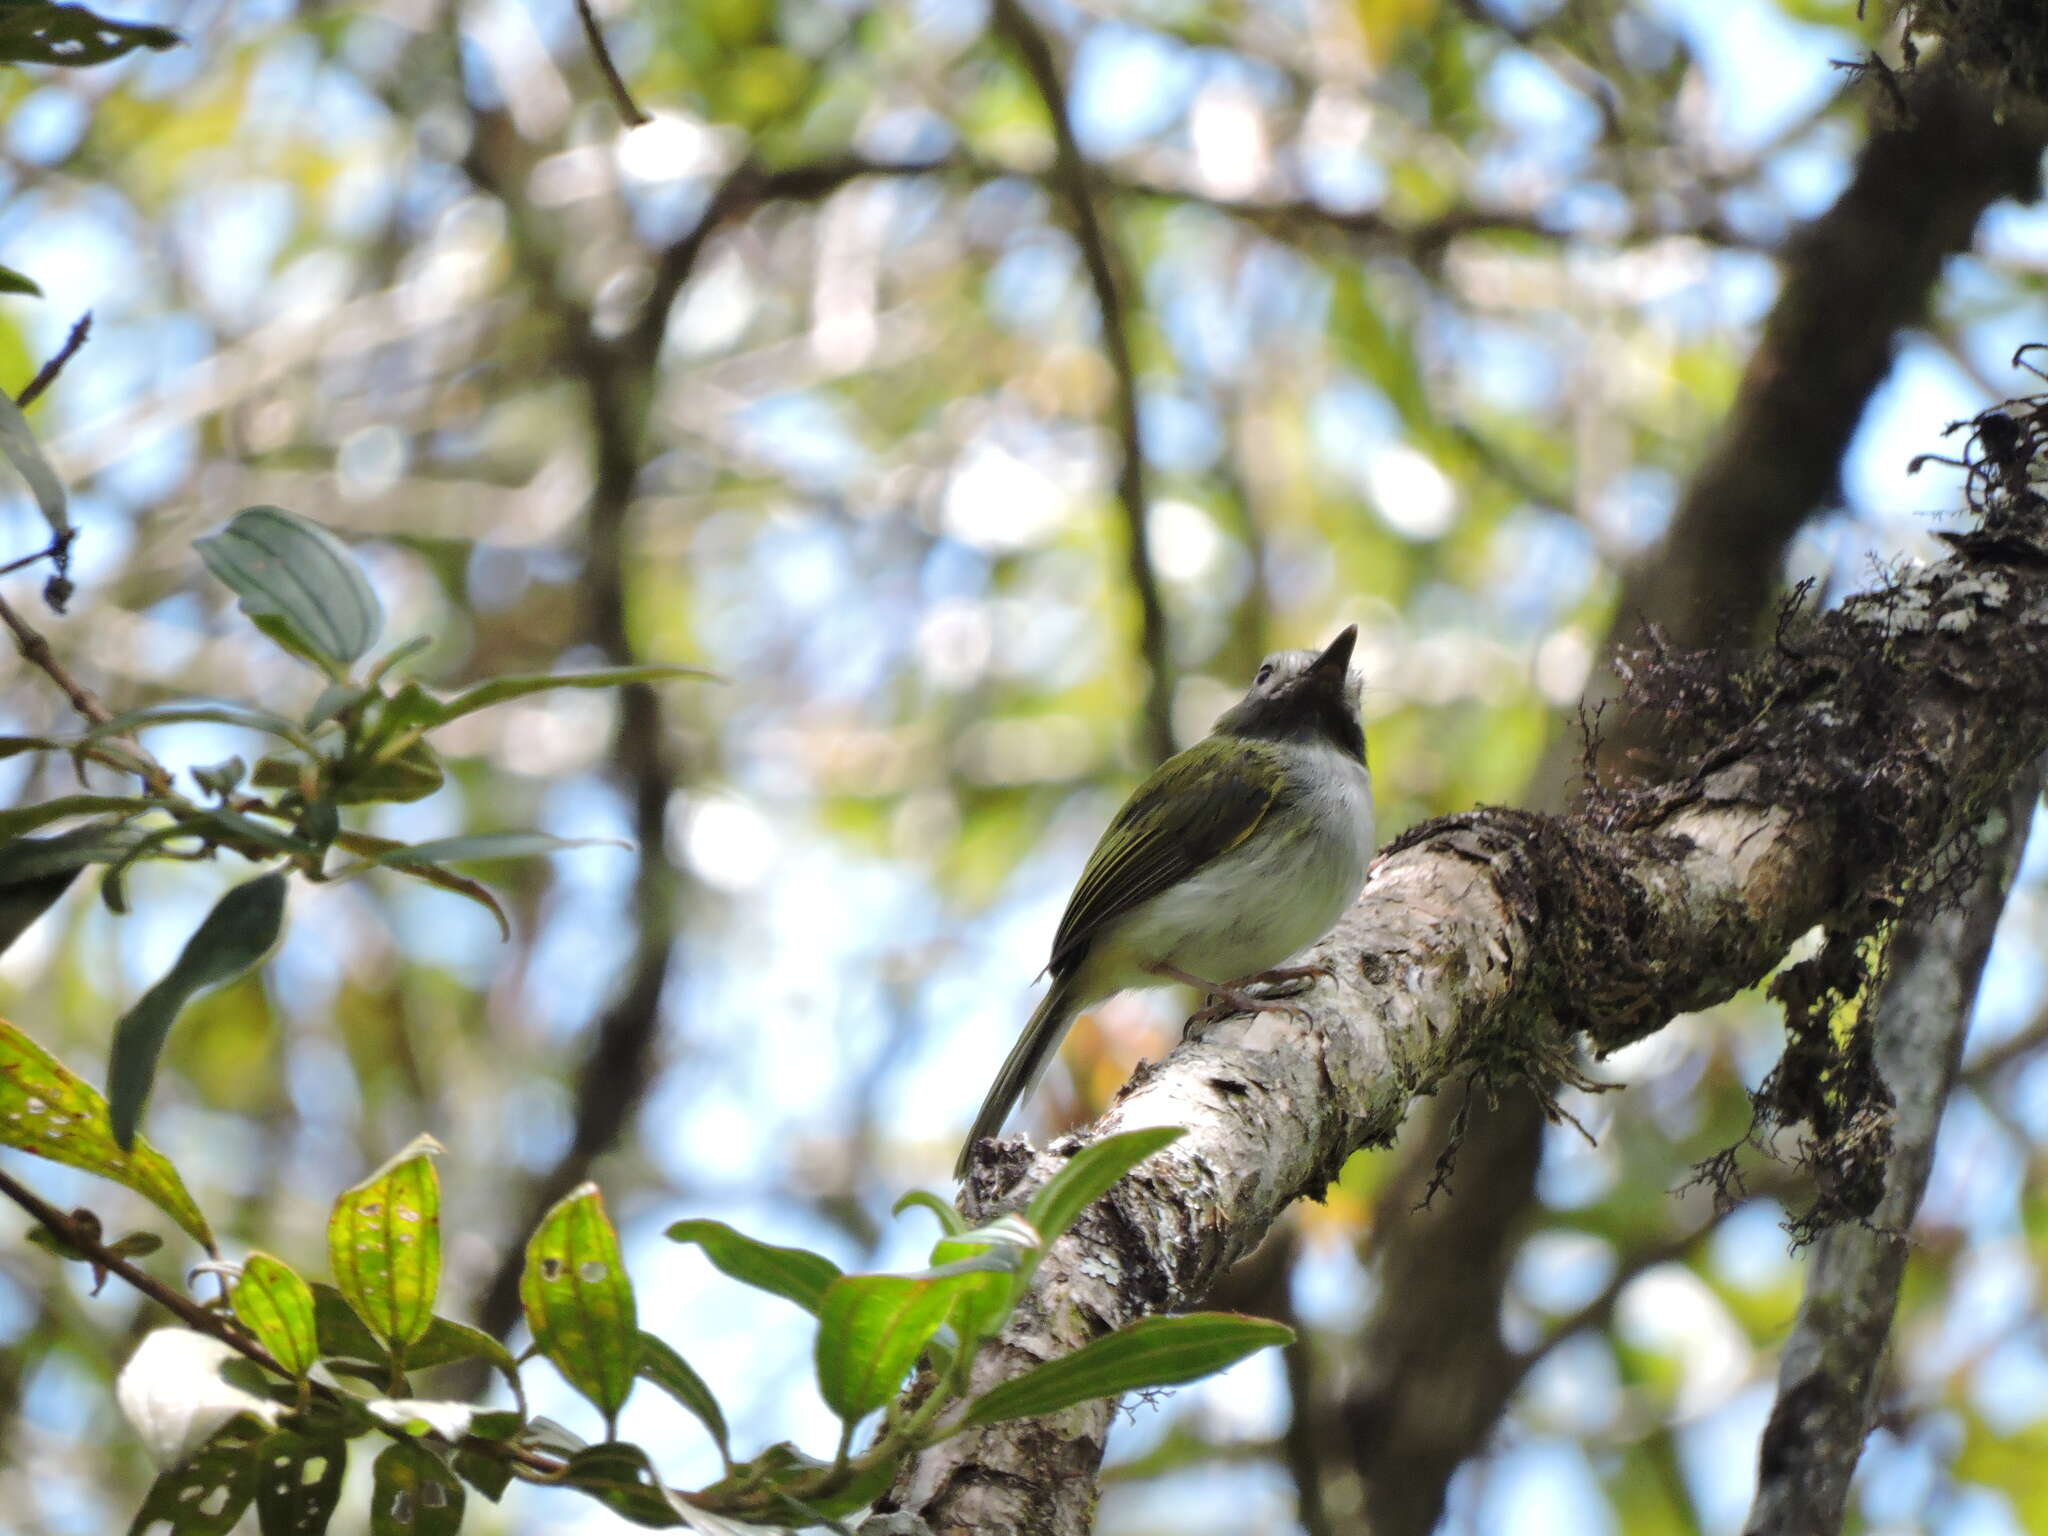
(1233, 855)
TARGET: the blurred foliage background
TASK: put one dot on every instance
(1435, 307)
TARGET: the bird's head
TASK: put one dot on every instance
(1303, 696)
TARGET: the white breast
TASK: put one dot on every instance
(1276, 894)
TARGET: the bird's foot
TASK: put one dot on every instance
(1294, 979)
(1228, 997)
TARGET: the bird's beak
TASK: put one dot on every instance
(1335, 663)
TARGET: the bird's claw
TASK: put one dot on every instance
(1295, 979)
(1232, 997)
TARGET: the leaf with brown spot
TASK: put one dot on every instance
(384, 1241)
(54, 1113)
(579, 1302)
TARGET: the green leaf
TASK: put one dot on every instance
(18, 443)
(433, 874)
(28, 817)
(37, 32)
(299, 1483)
(342, 1334)
(410, 775)
(236, 935)
(951, 1222)
(1009, 1231)
(486, 1473)
(660, 1364)
(221, 778)
(233, 825)
(871, 1330)
(447, 1341)
(500, 689)
(331, 701)
(1156, 1352)
(777, 1470)
(1011, 1247)
(298, 584)
(54, 1113)
(23, 901)
(620, 1477)
(28, 860)
(1089, 1175)
(205, 1496)
(14, 746)
(198, 712)
(579, 1302)
(413, 1493)
(51, 1243)
(384, 1241)
(863, 1490)
(795, 1274)
(12, 281)
(482, 846)
(497, 1423)
(277, 1306)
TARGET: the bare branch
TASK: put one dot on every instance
(47, 374)
(622, 98)
(617, 387)
(35, 650)
(1070, 173)
(1828, 1376)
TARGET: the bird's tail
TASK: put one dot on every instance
(1028, 1060)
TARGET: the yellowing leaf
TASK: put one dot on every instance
(54, 1113)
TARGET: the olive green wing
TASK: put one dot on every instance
(1195, 807)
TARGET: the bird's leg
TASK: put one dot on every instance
(1293, 977)
(1228, 997)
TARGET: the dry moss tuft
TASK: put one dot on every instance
(1829, 680)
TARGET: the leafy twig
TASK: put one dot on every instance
(78, 1235)
(81, 1238)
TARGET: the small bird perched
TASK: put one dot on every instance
(1229, 858)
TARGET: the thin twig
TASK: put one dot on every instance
(58, 549)
(621, 97)
(35, 650)
(76, 1235)
(615, 379)
(48, 376)
(1070, 172)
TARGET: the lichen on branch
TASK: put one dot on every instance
(1827, 781)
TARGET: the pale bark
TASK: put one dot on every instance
(1828, 1376)
(1470, 938)
(1430, 1374)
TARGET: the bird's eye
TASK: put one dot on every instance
(1265, 674)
